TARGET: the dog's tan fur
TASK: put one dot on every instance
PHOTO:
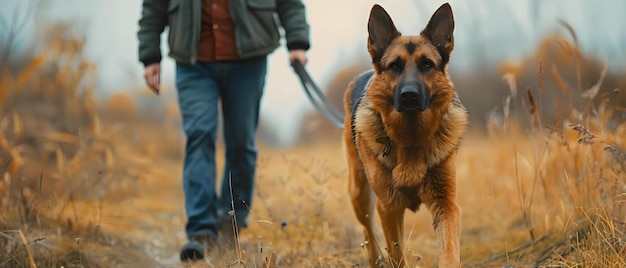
(416, 164)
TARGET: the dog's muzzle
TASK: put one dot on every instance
(411, 96)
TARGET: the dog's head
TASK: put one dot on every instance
(415, 66)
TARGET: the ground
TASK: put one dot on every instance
(302, 212)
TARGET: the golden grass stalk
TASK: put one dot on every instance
(593, 90)
(29, 71)
(31, 260)
(531, 100)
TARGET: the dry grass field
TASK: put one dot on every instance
(97, 184)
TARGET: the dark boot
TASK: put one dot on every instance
(195, 249)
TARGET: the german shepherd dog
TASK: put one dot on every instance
(403, 125)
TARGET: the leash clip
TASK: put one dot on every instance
(387, 144)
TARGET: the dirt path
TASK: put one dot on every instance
(304, 176)
(158, 214)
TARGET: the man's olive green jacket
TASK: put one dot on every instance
(256, 22)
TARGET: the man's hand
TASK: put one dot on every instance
(153, 77)
(297, 55)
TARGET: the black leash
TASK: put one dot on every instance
(320, 102)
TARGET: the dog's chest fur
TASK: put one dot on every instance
(421, 148)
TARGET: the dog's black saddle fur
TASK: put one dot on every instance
(359, 88)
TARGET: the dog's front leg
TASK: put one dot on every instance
(392, 219)
(361, 197)
(447, 223)
(441, 201)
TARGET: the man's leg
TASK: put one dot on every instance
(241, 93)
(198, 97)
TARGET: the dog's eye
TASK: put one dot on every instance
(394, 66)
(427, 64)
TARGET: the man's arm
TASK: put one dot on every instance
(151, 25)
(292, 15)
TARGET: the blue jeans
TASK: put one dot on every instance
(238, 85)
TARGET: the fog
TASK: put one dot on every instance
(487, 32)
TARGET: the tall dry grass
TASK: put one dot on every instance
(59, 164)
(572, 196)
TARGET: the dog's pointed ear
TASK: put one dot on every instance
(381, 32)
(439, 30)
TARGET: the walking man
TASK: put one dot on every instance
(220, 48)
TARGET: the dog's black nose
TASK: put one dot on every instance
(409, 98)
(412, 97)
